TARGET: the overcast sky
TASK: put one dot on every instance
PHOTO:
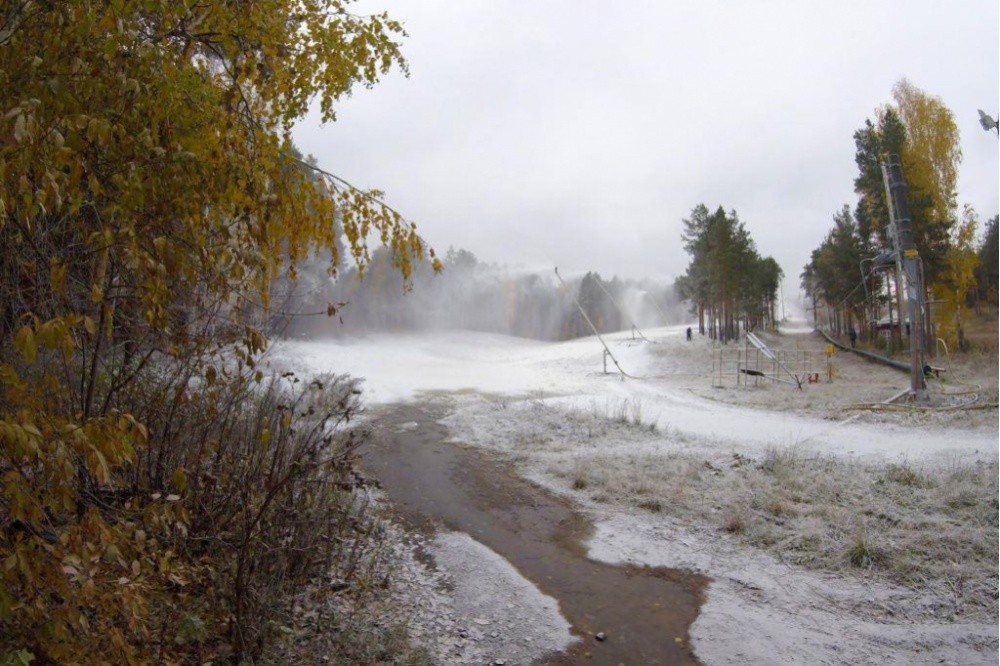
(579, 134)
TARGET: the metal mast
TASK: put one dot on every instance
(908, 263)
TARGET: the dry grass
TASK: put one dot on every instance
(965, 394)
(981, 331)
(925, 528)
(330, 623)
(331, 630)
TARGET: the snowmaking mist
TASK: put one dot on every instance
(469, 295)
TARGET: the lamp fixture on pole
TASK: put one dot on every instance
(988, 123)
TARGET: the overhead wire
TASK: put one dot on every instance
(863, 283)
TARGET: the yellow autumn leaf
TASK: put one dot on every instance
(25, 343)
(179, 479)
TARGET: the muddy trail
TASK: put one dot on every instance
(643, 614)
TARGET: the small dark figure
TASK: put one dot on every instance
(689, 334)
(853, 335)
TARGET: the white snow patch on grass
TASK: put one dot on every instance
(498, 602)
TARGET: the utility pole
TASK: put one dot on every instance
(908, 263)
(893, 256)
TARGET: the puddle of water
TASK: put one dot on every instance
(644, 612)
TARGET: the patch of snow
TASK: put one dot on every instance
(762, 611)
(399, 368)
(470, 606)
(524, 622)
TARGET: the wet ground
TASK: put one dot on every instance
(644, 613)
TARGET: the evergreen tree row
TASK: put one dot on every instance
(727, 281)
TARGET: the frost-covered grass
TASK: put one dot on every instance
(925, 527)
(935, 528)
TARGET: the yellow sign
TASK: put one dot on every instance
(829, 349)
(910, 253)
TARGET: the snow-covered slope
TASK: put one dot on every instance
(668, 378)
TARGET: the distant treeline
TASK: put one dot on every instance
(467, 295)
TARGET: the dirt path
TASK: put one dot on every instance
(642, 613)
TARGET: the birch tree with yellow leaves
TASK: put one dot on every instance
(960, 285)
(931, 157)
(148, 197)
